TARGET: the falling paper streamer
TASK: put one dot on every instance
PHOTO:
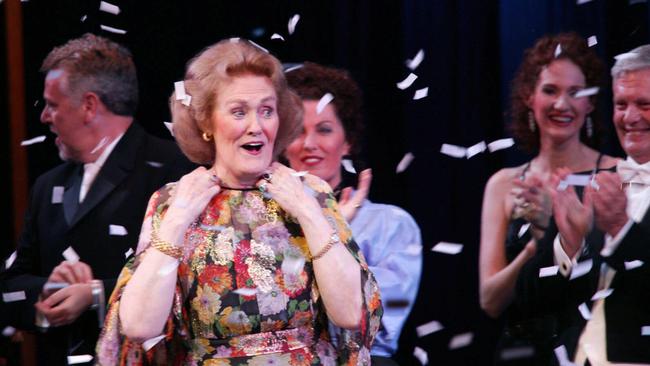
(347, 165)
(13, 296)
(245, 291)
(79, 359)
(70, 255)
(187, 100)
(581, 269)
(421, 355)
(54, 286)
(516, 353)
(117, 230)
(523, 229)
(83, 18)
(293, 68)
(128, 253)
(500, 144)
(587, 92)
(558, 50)
(415, 62)
(548, 271)
(292, 23)
(258, 46)
(57, 194)
(405, 162)
(109, 8)
(170, 127)
(8, 331)
(645, 330)
(407, 82)
(323, 102)
(277, 36)
(476, 149)
(169, 268)
(562, 356)
(632, 264)
(421, 93)
(299, 174)
(592, 41)
(33, 141)
(580, 2)
(584, 311)
(112, 30)
(149, 343)
(447, 248)
(179, 90)
(453, 150)
(155, 164)
(461, 340)
(602, 294)
(9, 261)
(428, 328)
(574, 180)
(100, 145)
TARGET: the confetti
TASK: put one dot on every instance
(13, 296)
(53, 286)
(8, 331)
(447, 248)
(187, 100)
(516, 353)
(461, 340)
(117, 230)
(404, 163)
(167, 269)
(632, 264)
(574, 180)
(587, 92)
(33, 141)
(258, 46)
(558, 50)
(562, 356)
(109, 8)
(476, 149)
(83, 18)
(245, 291)
(602, 294)
(415, 62)
(155, 164)
(70, 255)
(548, 271)
(580, 2)
(234, 39)
(79, 359)
(421, 355)
(428, 328)
(9, 261)
(592, 41)
(500, 144)
(128, 253)
(323, 102)
(581, 269)
(179, 89)
(170, 127)
(348, 166)
(149, 343)
(292, 68)
(277, 36)
(584, 311)
(299, 174)
(112, 30)
(421, 93)
(645, 330)
(407, 82)
(523, 229)
(292, 23)
(57, 194)
(453, 150)
(100, 145)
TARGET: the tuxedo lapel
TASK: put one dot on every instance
(71, 195)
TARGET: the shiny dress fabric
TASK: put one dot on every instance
(246, 292)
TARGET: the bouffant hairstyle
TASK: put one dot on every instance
(213, 68)
(98, 65)
(568, 46)
(312, 81)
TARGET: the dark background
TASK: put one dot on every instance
(472, 48)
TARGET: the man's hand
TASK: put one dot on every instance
(66, 305)
(610, 203)
(71, 273)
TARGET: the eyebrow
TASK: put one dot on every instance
(243, 101)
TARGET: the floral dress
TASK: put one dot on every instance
(246, 292)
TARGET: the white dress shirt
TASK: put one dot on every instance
(92, 169)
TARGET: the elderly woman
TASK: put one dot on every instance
(246, 261)
(387, 235)
(551, 119)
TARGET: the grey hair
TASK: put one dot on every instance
(636, 59)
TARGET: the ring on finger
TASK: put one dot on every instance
(267, 176)
(214, 178)
(263, 187)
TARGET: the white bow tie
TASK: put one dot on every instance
(631, 171)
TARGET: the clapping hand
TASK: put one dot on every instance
(574, 218)
(348, 203)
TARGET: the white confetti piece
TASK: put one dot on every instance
(592, 41)
(155, 164)
(562, 356)
(587, 92)
(461, 340)
(323, 102)
(415, 62)
(581, 269)
(72, 360)
(645, 330)
(500, 144)
(277, 36)
(292, 68)
(348, 166)
(293, 264)
(562, 186)
(128, 253)
(632, 264)
(245, 291)
(109, 8)
(112, 29)
(580, 2)
(100, 145)
(476, 149)
(626, 55)
(70, 255)
(584, 311)
(258, 46)
(602, 294)
(301, 173)
(83, 18)
(9, 261)
(413, 249)
(558, 50)
(9, 331)
(516, 353)
(523, 229)
(234, 39)
(187, 100)
(179, 89)
(421, 93)
(13, 296)
(167, 269)
(407, 82)
(53, 286)
(292, 23)
(548, 271)
(32, 141)
(149, 343)
(170, 127)
(405, 162)
(453, 150)
(428, 328)
(57, 194)
(447, 248)
(421, 355)
(117, 230)
(574, 180)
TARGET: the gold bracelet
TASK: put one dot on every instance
(165, 247)
(334, 238)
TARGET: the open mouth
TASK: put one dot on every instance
(561, 119)
(253, 147)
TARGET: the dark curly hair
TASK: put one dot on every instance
(312, 81)
(573, 48)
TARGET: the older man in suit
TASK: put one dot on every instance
(84, 216)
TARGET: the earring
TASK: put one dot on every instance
(531, 121)
(207, 136)
(589, 126)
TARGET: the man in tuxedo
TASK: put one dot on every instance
(84, 216)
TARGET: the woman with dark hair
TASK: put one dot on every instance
(387, 235)
(552, 119)
(248, 261)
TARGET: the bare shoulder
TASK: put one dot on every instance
(503, 178)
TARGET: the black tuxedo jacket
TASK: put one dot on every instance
(627, 309)
(138, 166)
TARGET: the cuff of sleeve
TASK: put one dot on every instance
(612, 243)
(562, 260)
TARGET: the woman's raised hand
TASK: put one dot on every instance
(190, 196)
(533, 202)
(286, 187)
(349, 203)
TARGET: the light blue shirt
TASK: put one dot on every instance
(390, 240)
